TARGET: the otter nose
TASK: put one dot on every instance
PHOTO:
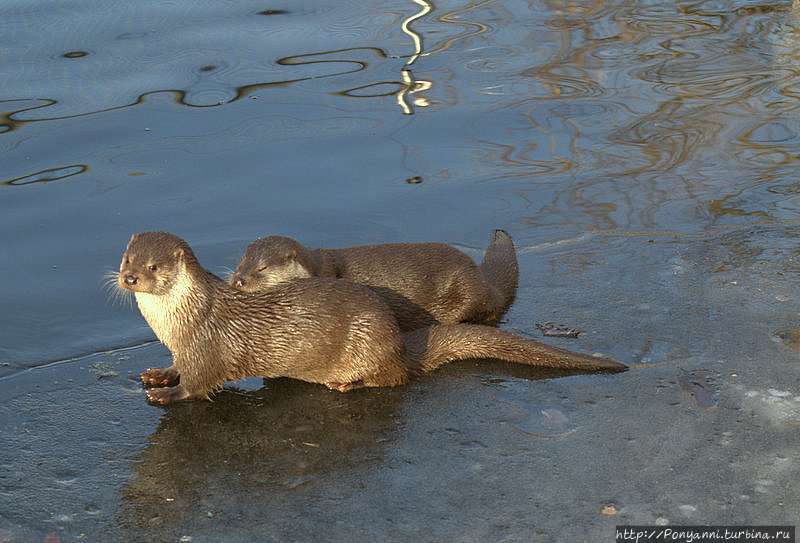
(239, 282)
(131, 279)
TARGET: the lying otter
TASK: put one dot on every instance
(330, 331)
(422, 283)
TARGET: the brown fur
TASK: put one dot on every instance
(422, 283)
(322, 330)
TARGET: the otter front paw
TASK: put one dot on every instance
(167, 395)
(160, 377)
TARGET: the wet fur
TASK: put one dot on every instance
(329, 331)
(422, 283)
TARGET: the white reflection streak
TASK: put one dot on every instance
(409, 83)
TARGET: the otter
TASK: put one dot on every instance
(323, 330)
(422, 283)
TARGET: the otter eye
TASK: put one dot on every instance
(153, 268)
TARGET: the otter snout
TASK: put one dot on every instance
(238, 281)
(130, 279)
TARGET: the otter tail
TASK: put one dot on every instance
(429, 348)
(499, 266)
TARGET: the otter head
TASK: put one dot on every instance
(153, 261)
(269, 261)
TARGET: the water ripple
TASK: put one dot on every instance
(203, 59)
(48, 175)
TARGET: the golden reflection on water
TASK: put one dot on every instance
(650, 108)
(410, 85)
(453, 17)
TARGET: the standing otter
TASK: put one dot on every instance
(422, 283)
(329, 331)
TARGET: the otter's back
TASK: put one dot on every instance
(420, 279)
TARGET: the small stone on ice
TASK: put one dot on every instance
(609, 510)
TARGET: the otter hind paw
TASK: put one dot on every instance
(344, 387)
(160, 377)
(166, 395)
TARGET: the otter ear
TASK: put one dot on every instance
(291, 255)
(179, 254)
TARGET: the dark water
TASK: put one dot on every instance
(644, 155)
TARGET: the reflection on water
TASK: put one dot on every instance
(410, 85)
(51, 174)
(205, 458)
(626, 114)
